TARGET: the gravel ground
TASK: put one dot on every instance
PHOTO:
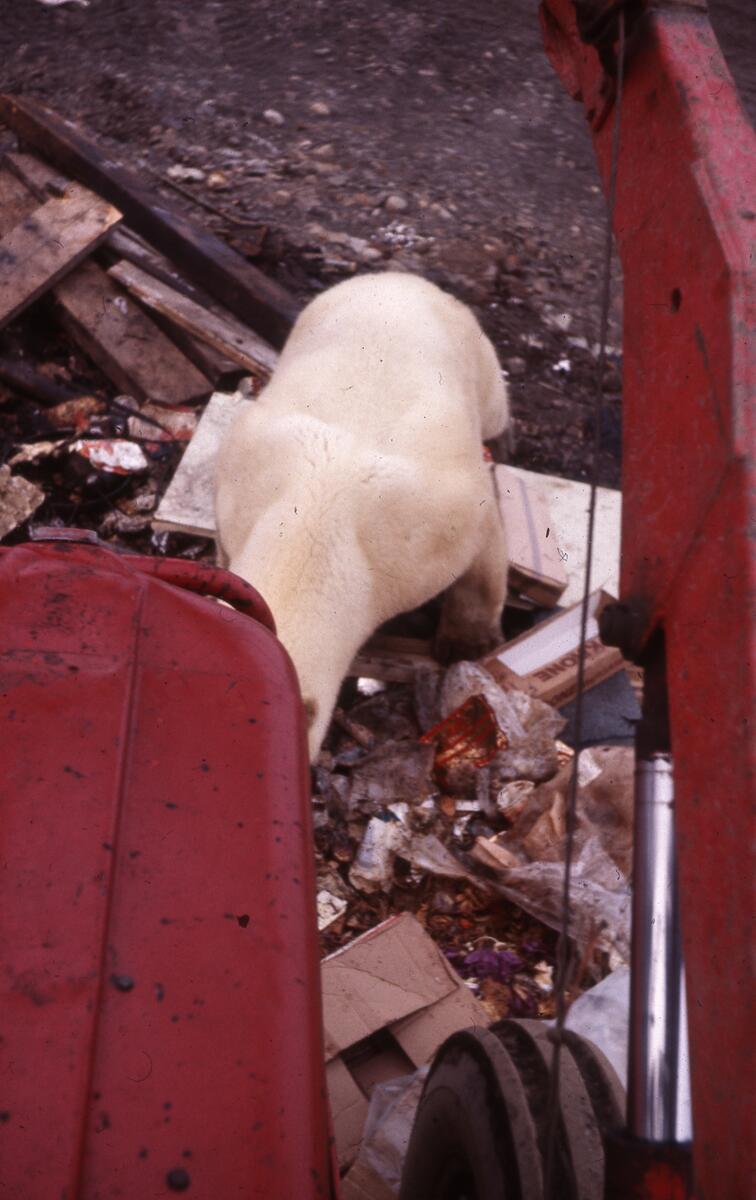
(335, 138)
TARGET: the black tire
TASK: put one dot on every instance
(473, 1138)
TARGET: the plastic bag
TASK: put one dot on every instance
(529, 858)
(530, 725)
(387, 1132)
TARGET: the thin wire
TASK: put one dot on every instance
(562, 962)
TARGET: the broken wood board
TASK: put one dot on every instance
(16, 201)
(393, 659)
(19, 499)
(48, 244)
(221, 371)
(123, 341)
(34, 178)
(567, 502)
(188, 504)
(39, 178)
(204, 258)
(225, 334)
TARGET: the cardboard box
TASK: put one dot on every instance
(544, 661)
(536, 566)
(390, 999)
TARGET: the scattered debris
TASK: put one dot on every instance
(389, 1000)
(376, 1172)
(544, 660)
(19, 500)
(118, 455)
(34, 452)
(528, 857)
(330, 908)
(132, 346)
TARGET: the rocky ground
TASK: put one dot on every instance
(323, 139)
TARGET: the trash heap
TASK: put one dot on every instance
(447, 797)
(118, 319)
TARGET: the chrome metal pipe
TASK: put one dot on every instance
(658, 1101)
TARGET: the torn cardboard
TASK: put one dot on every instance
(544, 661)
(389, 1000)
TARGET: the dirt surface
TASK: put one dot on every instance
(432, 137)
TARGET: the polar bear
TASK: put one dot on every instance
(355, 487)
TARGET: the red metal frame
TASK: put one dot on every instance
(685, 222)
(160, 996)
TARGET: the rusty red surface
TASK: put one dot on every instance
(161, 1024)
(685, 223)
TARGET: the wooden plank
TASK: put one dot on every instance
(124, 243)
(392, 659)
(43, 181)
(568, 502)
(220, 371)
(38, 177)
(205, 259)
(124, 342)
(224, 334)
(16, 201)
(48, 244)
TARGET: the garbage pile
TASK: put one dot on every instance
(447, 797)
(113, 335)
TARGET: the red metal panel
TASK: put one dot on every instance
(160, 1003)
(685, 222)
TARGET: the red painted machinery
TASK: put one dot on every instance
(685, 227)
(161, 1025)
(685, 224)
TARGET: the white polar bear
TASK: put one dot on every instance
(355, 488)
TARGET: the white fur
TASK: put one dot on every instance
(354, 488)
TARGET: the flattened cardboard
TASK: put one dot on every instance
(546, 657)
(349, 1108)
(420, 1035)
(393, 992)
(536, 566)
(362, 1183)
(389, 973)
